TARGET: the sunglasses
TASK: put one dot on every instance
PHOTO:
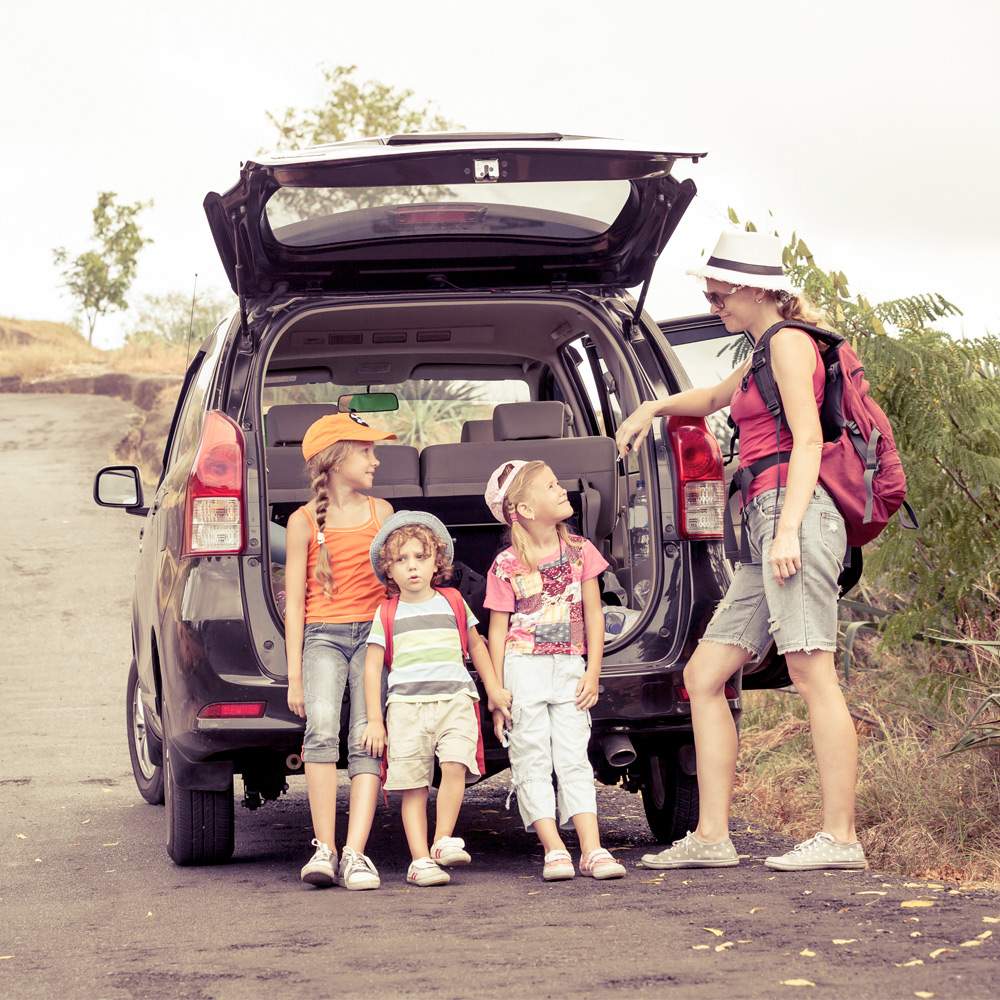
(718, 299)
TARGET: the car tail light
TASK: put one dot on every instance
(435, 213)
(730, 693)
(213, 506)
(234, 710)
(701, 488)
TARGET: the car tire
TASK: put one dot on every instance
(670, 795)
(200, 824)
(148, 776)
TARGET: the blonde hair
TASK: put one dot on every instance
(431, 543)
(799, 306)
(519, 492)
(319, 467)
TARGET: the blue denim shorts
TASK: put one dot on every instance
(802, 615)
(333, 658)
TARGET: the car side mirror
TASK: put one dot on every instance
(118, 486)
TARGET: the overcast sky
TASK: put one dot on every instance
(870, 128)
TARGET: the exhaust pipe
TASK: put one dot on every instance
(618, 749)
(293, 762)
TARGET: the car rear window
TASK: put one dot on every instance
(564, 210)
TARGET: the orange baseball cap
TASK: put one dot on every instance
(336, 427)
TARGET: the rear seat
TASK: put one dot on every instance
(477, 430)
(530, 431)
(398, 474)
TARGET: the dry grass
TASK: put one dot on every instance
(919, 812)
(34, 349)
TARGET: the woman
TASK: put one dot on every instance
(789, 590)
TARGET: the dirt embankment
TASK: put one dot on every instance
(51, 357)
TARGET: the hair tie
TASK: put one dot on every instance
(513, 516)
(320, 538)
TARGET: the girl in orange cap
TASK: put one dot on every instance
(331, 596)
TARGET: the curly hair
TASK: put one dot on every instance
(319, 467)
(432, 545)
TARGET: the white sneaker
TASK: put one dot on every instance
(357, 871)
(425, 871)
(690, 852)
(321, 869)
(450, 851)
(821, 851)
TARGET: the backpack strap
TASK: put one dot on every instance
(387, 614)
(457, 604)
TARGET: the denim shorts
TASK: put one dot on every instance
(802, 615)
(333, 657)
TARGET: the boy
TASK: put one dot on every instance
(431, 697)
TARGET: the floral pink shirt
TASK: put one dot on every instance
(546, 604)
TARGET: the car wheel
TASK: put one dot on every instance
(670, 794)
(199, 823)
(148, 776)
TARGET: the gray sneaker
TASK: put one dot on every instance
(321, 869)
(689, 852)
(357, 871)
(821, 851)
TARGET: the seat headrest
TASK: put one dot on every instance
(287, 423)
(477, 430)
(528, 421)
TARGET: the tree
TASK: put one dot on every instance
(173, 319)
(100, 278)
(943, 399)
(351, 110)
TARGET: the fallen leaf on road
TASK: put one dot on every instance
(906, 965)
(743, 940)
(915, 934)
(871, 892)
(757, 909)
(807, 892)
(712, 930)
(796, 982)
(845, 940)
(114, 843)
(991, 920)
(150, 913)
(107, 789)
(85, 822)
(525, 876)
(985, 935)
(912, 920)
(724, 946)
(970, 944)
(924, 995)
(940, 951)
(21, 836)
(700, 947)
(917, 902)
(806, 953)
(535, 892)
(3, 958)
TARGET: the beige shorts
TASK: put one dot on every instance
(419, 729)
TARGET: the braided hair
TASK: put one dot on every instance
(319, 467)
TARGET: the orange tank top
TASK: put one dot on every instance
(358, 592)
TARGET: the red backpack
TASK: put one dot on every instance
(387, 615)
(860, 467)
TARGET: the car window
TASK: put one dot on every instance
(431, 411)
(192, 414)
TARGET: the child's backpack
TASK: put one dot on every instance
(455, 600)
(860, 467)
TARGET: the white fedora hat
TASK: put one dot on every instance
(749, 259)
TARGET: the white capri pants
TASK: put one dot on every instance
(549, 734)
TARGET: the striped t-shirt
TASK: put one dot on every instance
(427, 662)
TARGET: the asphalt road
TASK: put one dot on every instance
(91, 907)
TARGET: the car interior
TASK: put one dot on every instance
(476, 383)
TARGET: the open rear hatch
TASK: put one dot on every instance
(461, 210)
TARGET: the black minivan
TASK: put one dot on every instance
(469, 291)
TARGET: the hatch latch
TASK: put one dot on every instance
(487, 171)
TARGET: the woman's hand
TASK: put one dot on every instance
(296, 699)
(501, 721)
(786, 556)
(587, 690)
(373, 738)
(636, 426)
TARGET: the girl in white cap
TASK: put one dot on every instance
(797, 543)
(545, 614)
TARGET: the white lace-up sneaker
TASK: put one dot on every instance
(357, 871)
(450, 851)
(821, 851)
(321, 869)
(690, 852)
